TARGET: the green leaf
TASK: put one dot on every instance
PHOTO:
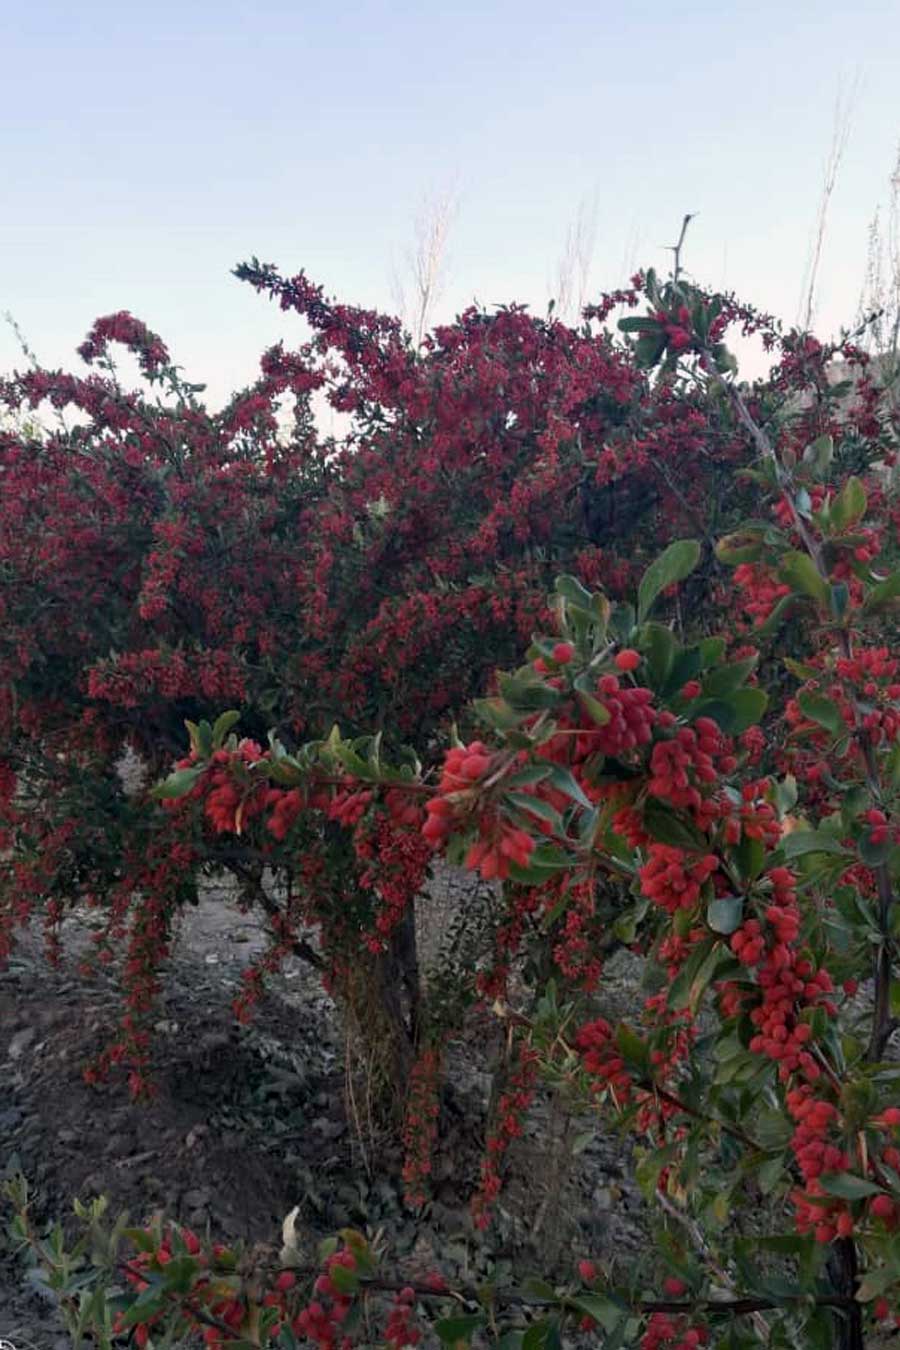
(178, 783)
(876, 1283)
(668, 828)
(459, 1330)
(221, 727)
(716, 958)
(734, 713)
(571, 589)
(658, 644)
(497, 713)
(564, 781)
(725, 916)
(849, 505)
(786, 794)
(818, 455)
(740, 547)
(774, 1131)
(539, 1289)
(602, 1310)
(801, 671)
(882, 594)
(800, 573)
(634, 1049)
(710, 651)
(777, 617)
(538, 1335)
(728, 679)
(847, 1187)
(344, 1280)
(649, 348)
(534, 806)
(769, 1173)
(635, 323)
(524, 694)
(750, 856)
(873, 855)
(677, 562)
(596, 711)
(801, 842)
(822, 710)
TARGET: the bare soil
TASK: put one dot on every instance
(248, 1122)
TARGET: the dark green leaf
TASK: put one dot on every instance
(571, 589)
(728, 679)
(800, 573)
(178, 783)
(734, 713)
(222, 726)
(658, 644)
(847, 1187)
(849, 505)
(822, 710)
(664, 825)
(801, 842)
(725, 916)
(882, 594)
(677, 562)
(456, 1330)
(818, 455)
(596, 711)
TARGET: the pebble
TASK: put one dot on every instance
(20, 1042)
(197, 1198)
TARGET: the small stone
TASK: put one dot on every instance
(329, 1129)
(604, 1197)
(9, 1119)
(198, 1198)
(20, 1042)
(67, 1136)
(211, 959)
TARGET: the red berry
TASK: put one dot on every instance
(881, 1308)
(628, 659)
(286, 1280)
(674, 1287)
(588, 1271)
(563, 653)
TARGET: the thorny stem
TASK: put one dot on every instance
(518, 1019)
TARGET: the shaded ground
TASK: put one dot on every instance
(250, 1121)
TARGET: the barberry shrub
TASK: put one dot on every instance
(724, 804)
(161, 561)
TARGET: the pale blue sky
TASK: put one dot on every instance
(146, 148)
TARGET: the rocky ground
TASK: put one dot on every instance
(249, 1122)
